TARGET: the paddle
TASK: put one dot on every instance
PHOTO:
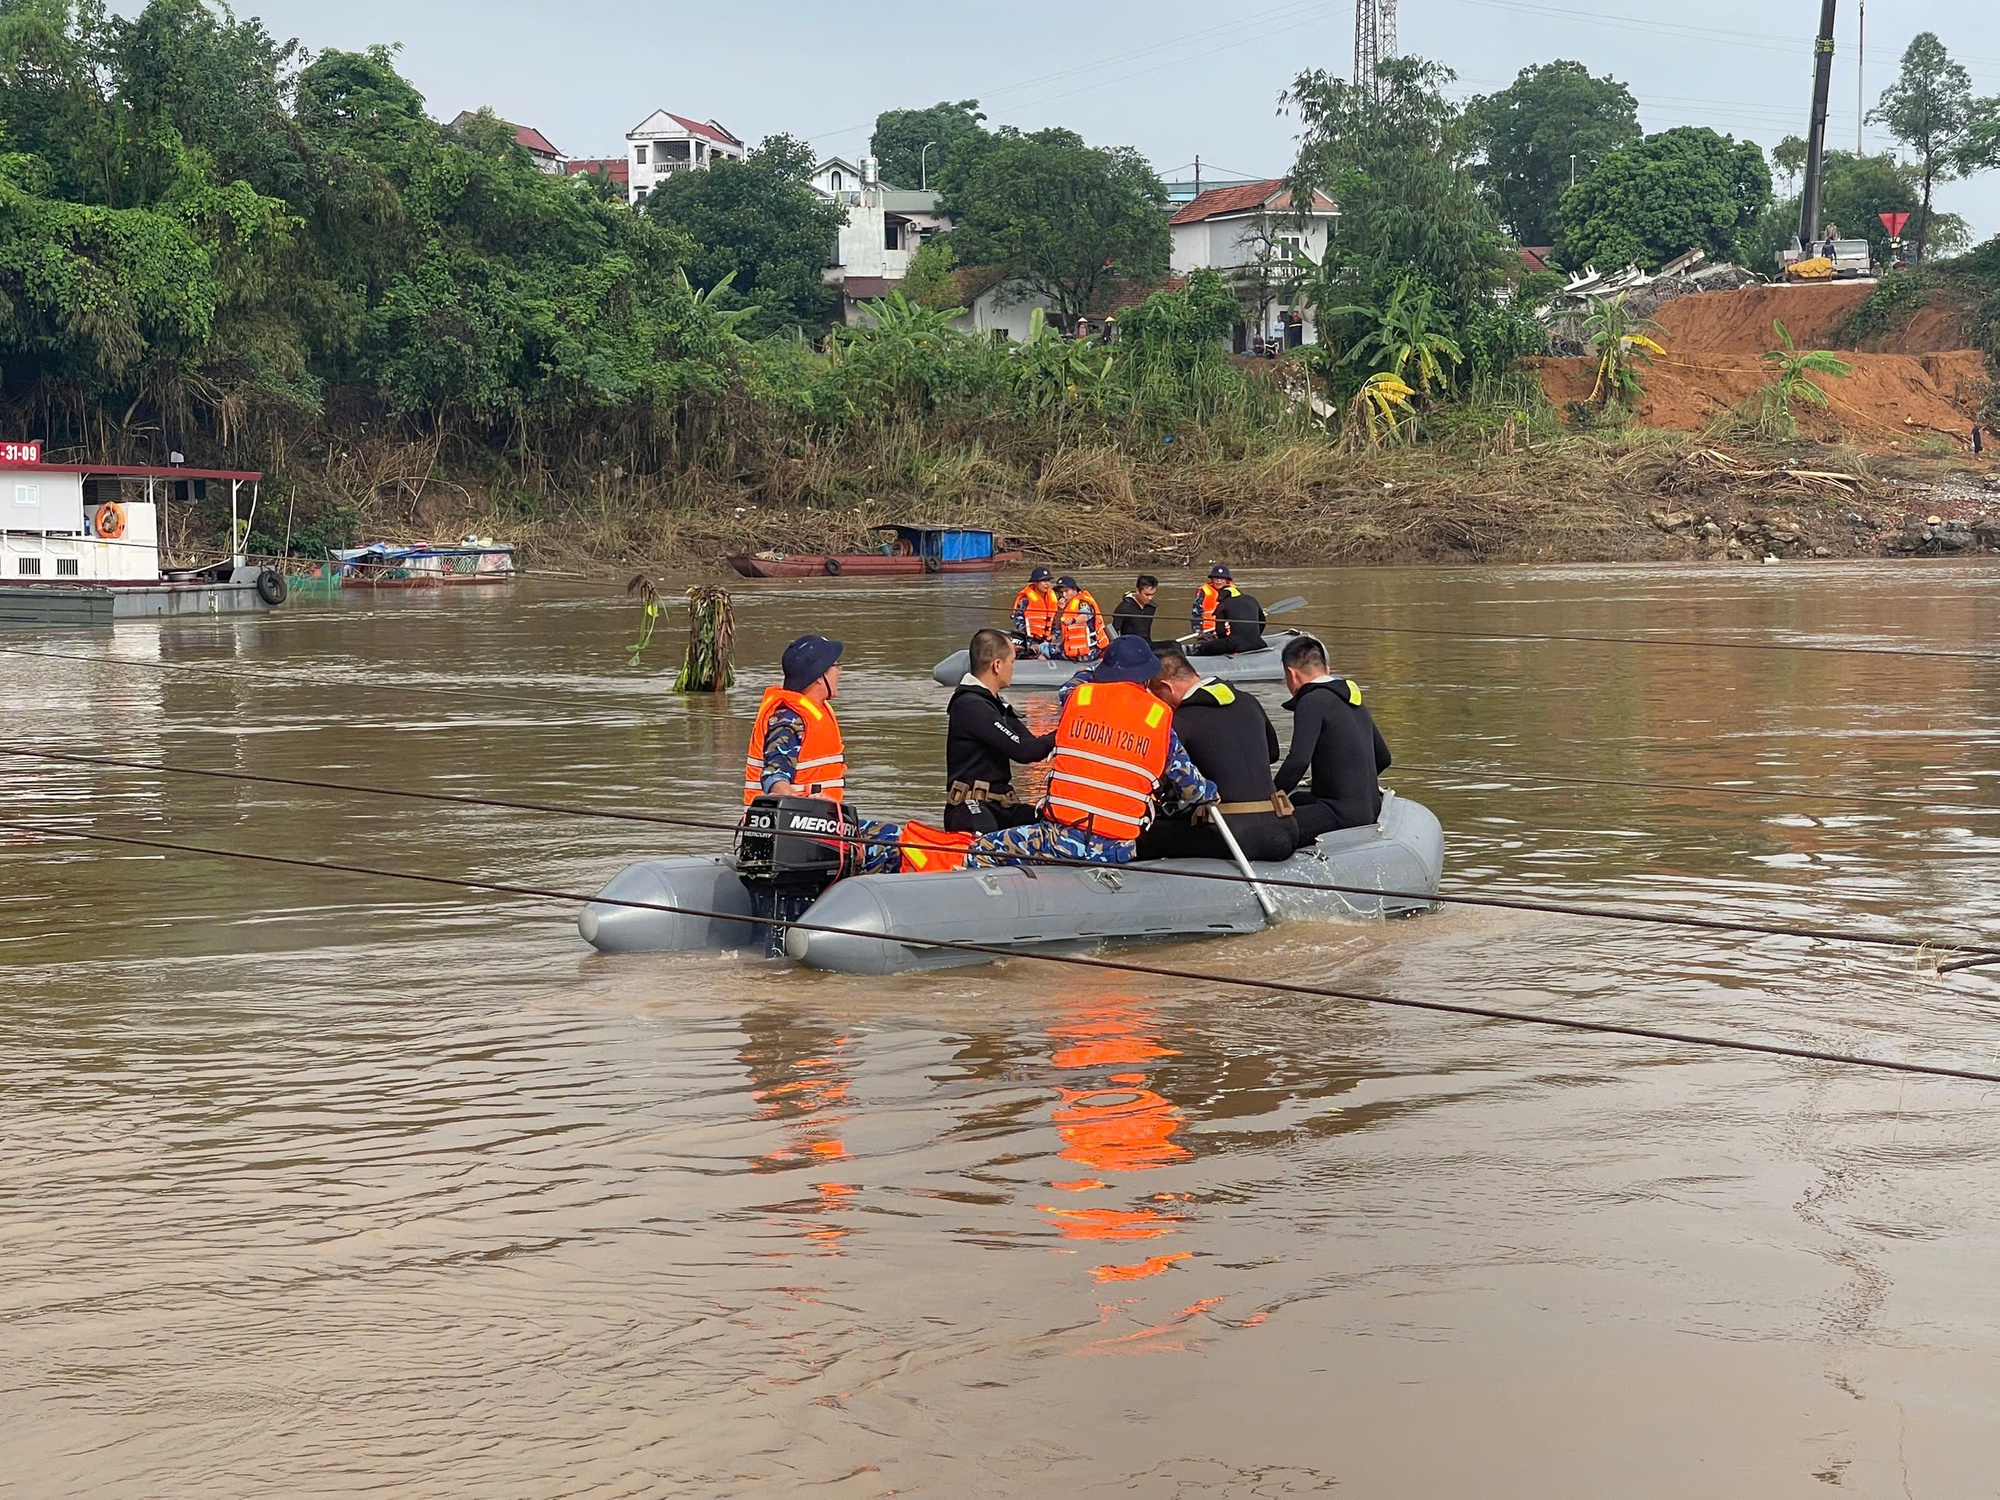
(1289, 606)
(1263, 896)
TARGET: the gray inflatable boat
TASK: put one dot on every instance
(1245, 666)
(883, 920)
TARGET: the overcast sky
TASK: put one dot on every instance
(1167, 76)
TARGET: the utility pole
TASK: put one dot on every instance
(1861, 83)
(1816, 140)
(1374, 43)
(924, 167)
(1197, 174)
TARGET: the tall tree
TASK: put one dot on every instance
(1789, 157)
(759, 221)
(1399, 167)
(1929, 108)
(1062, 218)
(902, 134)
(1683, 189)
(1551, 126)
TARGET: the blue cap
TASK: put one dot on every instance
(807, 659)
(1221, 571)
(1039, 575)
(1128, 659)
(1067, 582)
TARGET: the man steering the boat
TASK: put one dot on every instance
(796, 748)
(1116, 750)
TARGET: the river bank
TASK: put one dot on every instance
(1563, 497)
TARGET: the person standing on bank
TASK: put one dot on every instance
(1134, 613)
(1334, 738)
(796, 749)
(1239, 624)
(1230, 739)
(1080, 632)
(984, 740)
(1201, 619)
(1115, 746)
(1035, 608)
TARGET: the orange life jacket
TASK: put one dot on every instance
(931, 851)
(1035, 608)
(1080, 627)
(1111, 747)
(822, 767)
(1204, 608)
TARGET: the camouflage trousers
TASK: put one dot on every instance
(1036, 841)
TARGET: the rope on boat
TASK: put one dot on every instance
(1112, 965)
(1981, 952)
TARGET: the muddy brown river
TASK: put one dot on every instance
(324, 1184)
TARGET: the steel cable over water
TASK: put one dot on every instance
(1119, 966)
(1983, 952)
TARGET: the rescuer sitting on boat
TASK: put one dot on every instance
(1335, 738)
(984, 740)
(1035, 610)
(796, 749)
(1201, 619)
(1115, 744)
(1229, 737)
(1080, 631)
(1238, 624)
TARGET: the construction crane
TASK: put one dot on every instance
(1816, 140)
(1374, 43)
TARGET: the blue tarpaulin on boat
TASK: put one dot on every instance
(947, 545)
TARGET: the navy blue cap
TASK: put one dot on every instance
(1221, 571)
(1067, 582)
(1128, 659)
(1039, 575)
(807, 659)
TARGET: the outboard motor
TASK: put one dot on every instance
(788, 851)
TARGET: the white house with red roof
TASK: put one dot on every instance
(665, 143)
(1255, 235)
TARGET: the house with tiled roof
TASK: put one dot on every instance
(1256, 235)
(538, 146)
(613, 169)
(665, 143)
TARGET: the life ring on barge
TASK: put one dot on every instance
(109, 521)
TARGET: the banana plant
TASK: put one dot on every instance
(1790, 366)
(1622, 341)
(1054, 373)
(1408, 339)
(1381, 412)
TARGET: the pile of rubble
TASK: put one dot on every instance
(1644, 295)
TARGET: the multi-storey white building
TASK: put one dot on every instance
(1252, 234)
(664, 143)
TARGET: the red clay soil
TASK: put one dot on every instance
(1924, 382)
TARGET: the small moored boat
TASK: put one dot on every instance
(906, 550)
(884, 921)
(422, 565)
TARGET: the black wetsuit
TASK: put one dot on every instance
(1229, 737)
(1239, 626)
(1335, 738)
(1133, 618)
(984, 739)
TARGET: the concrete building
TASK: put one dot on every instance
(1254, 235)
(615, 169)
(664, 143)
(885, 228)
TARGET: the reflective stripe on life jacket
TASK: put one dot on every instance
(1080, 628)
(822, 767)
(932, 851)
(1035, 612)
(1111, 747)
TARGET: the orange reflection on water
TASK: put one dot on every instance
(1121, 1125)
(805, 1094)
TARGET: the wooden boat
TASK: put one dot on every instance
(423, 565)
(906, 550)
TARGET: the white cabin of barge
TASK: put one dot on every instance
(100, 526)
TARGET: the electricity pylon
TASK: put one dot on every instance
(1374, 40)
